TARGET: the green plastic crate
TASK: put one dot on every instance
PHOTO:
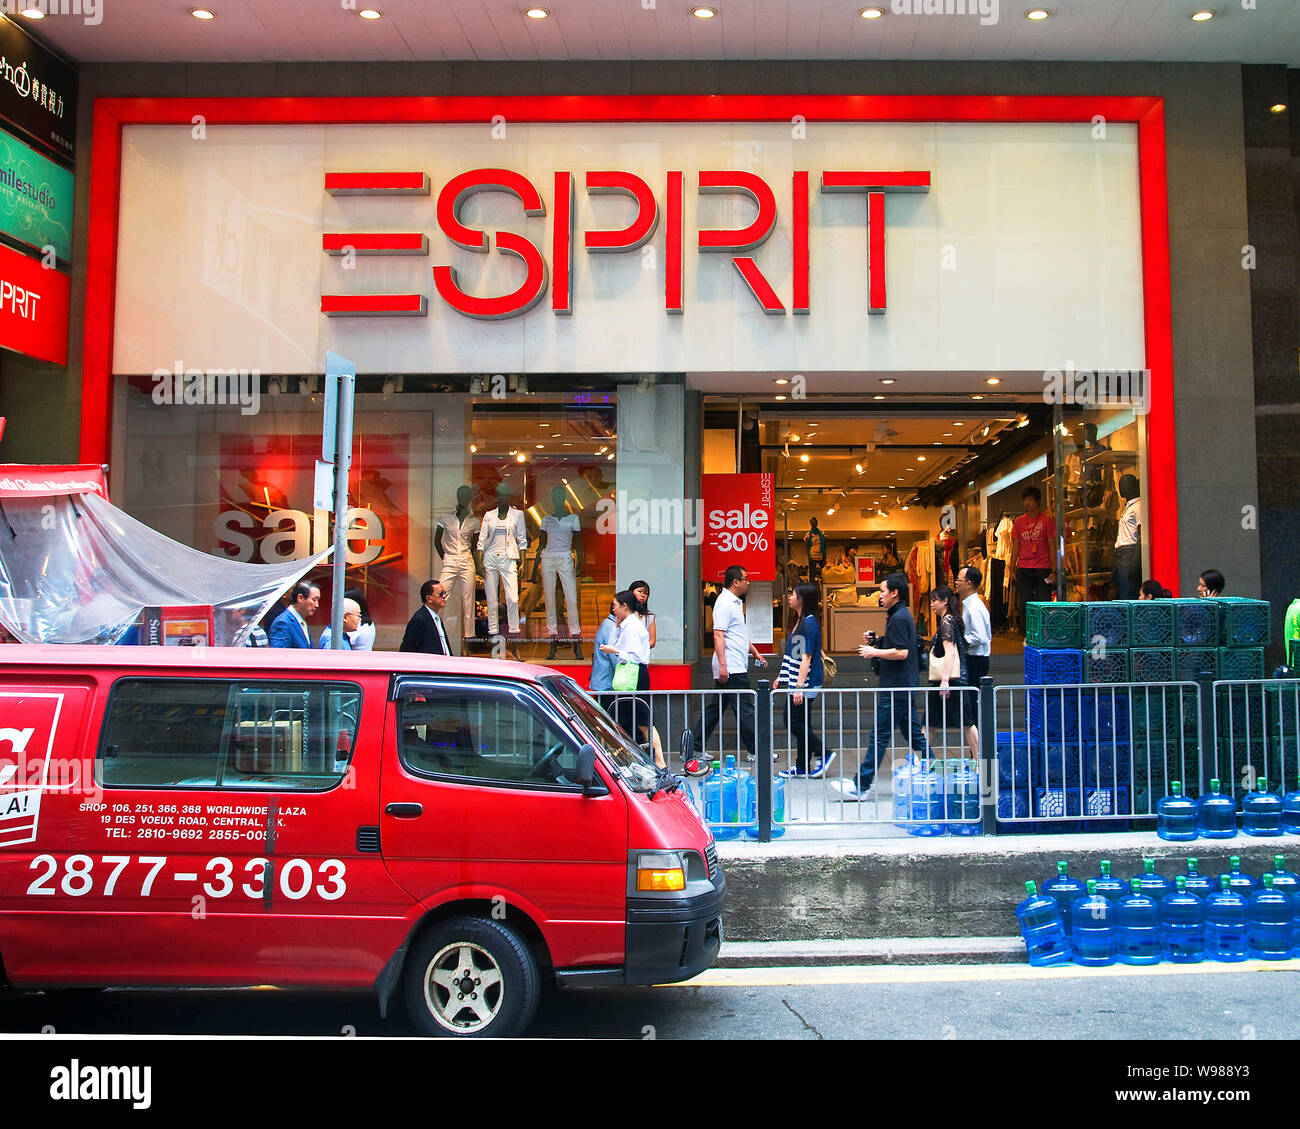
(1196, 623)
(1190, 661)
(1053, 625)
(1151, 623)
(1238, 663)
(1109, 666)
(1244, 623)
(1107, 622)
(1151, 664)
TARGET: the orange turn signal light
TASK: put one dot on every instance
(673, 879)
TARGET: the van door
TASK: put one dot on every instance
(479, 802)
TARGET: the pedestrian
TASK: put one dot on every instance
(1032, 536)
(946, 705)
(351, 621)
(1211, 583)
(731, 651)
(803, 676)
(602, 663)
(256, 637)
(899, 668)
(631, 644)
(979, 647)
(425, 633)
(1154, 590)
(290, 627)
(363, 638)
(641, 590)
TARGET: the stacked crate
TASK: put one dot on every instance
(1252, 728)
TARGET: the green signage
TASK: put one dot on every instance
(35, 199)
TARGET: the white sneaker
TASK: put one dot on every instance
(846, 791)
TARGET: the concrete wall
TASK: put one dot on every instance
(1213, 373)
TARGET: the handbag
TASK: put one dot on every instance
(829, 669)
(626, 676)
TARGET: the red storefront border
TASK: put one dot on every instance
(111, 114)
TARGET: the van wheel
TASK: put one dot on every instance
(471, 977)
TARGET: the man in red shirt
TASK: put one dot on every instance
(1033, 550)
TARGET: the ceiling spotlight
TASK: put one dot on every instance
(536, 13)
(957, 423)
(986, 430)
(197, 13)
(34, 13)
(778, 397)
(370, 14)
(521, 457)
(858, 467)
(703, 13)
(871, 13)
(978, 396)
(906, 508)
(877, 396)
(540, 446)
(1277, 108)
(888, 380)
(1023, 421)
(830, 512)
(473, 449)
(780, 380)
(920, 458)
(794, 437)
(1037, 14)
(1201, 16)
(609, 456)
(803, 458)
(993, 380)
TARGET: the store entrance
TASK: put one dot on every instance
(923, 488)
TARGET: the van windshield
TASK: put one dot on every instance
(638, 772)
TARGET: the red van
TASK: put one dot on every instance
(446, 830)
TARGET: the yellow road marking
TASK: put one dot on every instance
(956, 973)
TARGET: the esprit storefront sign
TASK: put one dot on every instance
(33, 308)
(739, 525)
(559, 268)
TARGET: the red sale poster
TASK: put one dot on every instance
(739, 525)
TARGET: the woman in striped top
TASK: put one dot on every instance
(802, 674)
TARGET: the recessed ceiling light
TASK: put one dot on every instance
(197, 13)
(541, 446)
(871, 13)
(703, 13)
(993, 380)
(807, 442)
(1037, 14)
(473, 450)
(830, 512)
(37, 14)
(1203, 15)
(920, 458)
(888, 380)
(370, 14)
(956, 423)
(804, 458)
(780, 397)
(877, 397)
(521, 457)
(536, 13)
(780, 380)
(1277, 108)
(978, 396)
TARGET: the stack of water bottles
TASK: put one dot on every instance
(727, 799)
(1149, 919)
(1180, 819)
(937, 797)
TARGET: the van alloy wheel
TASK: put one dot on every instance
(464, 988)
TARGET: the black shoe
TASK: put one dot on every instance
(577, 650)
(555, 646)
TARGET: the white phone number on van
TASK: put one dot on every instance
(80, 876)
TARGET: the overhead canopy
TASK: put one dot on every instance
(76, 569)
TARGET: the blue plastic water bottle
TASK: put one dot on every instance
(778, 808)
(721, 800)
(1216, 814)
(962, 796)
(902, 789)
(1137, 927)
(1287, 881)
(1182, 926)
(1261, 811)
(1109, 887)
(1153, 885)
(1093, 928)
(1197, 883)
(1269, 923)
(1225, 924)
(1243, 883)
(1042, 928)
(1176, 815)
(1066, 891)
(926, 814)
(1291, 812)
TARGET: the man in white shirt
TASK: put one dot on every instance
(979, 645)
(351, 621)
(731, 651)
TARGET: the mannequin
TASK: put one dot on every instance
(561, 544)
(454, 539)
(1128, 544)
(502, 540)
(816, 542)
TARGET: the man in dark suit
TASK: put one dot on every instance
(290, 626)
(425, 632)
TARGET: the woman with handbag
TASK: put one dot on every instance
(946, 709)
(631, 646)
(803, 674)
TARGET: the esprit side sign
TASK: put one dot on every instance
(556, 272)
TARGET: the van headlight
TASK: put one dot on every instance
(660, 871)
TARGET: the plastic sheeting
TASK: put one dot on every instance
(76, 569)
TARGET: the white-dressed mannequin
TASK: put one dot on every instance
(503, 540)
(561, 540)
(455, 538)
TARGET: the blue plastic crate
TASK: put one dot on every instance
(1106, 623)
(1071, 802)
(1104, 715)
(1052, 713)
(1013, 803)
(1019, 760)
(1068, 761)
(1196, 623)
(1047, 667)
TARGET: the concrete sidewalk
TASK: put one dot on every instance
(847, 890)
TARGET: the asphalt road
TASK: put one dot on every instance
(939, 1002)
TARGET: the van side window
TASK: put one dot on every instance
(221, 733)
(487, 735)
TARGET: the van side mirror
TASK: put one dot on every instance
(585, 774)
(691, 767)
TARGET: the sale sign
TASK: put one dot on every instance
(866, 570)
(28, 722)
(739, 525)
